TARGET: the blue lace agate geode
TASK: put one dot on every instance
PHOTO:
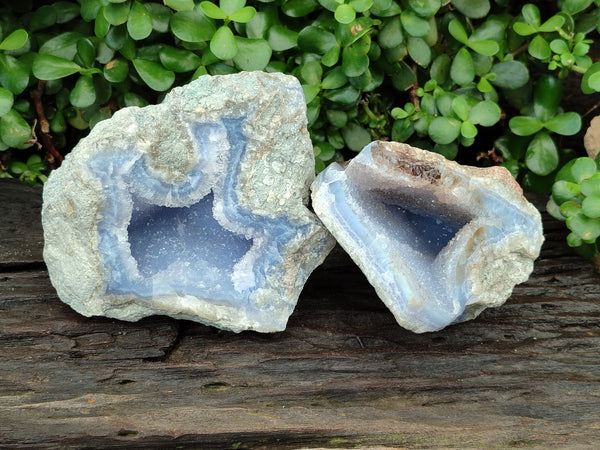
(439, 242)
(194, 208)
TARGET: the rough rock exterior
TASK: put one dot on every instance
(194, 208)
(439, 241)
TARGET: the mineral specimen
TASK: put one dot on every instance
(194, 208)
(439, 241)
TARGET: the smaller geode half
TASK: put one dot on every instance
(439, 241)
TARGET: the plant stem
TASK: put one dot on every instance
(51, 153)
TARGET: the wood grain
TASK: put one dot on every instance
(343, 374)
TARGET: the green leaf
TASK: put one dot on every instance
(116, 13)
(361, 5)
(310, 92)
(89, 9)
(316, 40)
(354, 63)
(298, 8)
(403, 76)
(566, 124)
(355, 136)
(6, 101)
(510, 74)
(591, 74)
(419, 51)
(461, 107)
(468, 130)
(586, 228)
(281, 38)
(347, 95)
(191, 26)
(101, 25)
(474, 9)
(458, 31)
(180, 5)
(525, 125)
(344, 13)
(486, 113)
(570, 208)
(334, 79)
(573, 240)
(160, 15)
(64, 45)
(582, 169)
(139, 23)
(131, 99)
(542, 155)
(213, 11)
(413, 24)
(425, 8)
(66, 11)
(531, 14)
(552, 24)
(178, 60)
(462, 70)
(243, 15)
(253, 54)
(154, 75)
(448, 151)
(539, 48)
(14, 75)
(311, 72)
(116, 71)
(84, 93)
(116, 37)
(14, 40)
(325, 150)
(444, 130)
(337, 118)
(440, 68)
(486, 47)
(331, 56)
(390, 35)
(591, 185)
(223, 44)
(49, 67)
(86, 52)
(44, 17)
(575, 6)
(524, 29)
(14, 130)
(231, 6)
(559, 46)
(591, 206)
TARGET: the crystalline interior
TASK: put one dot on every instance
(414, 248)
(160, 236)
(150, 249)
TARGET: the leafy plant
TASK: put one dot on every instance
(451, 76)
(576, 199)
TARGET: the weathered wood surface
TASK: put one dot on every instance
(343, 374)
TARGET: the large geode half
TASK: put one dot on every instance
(439, 241)
(194, 208)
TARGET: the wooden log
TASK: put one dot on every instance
(343, 374)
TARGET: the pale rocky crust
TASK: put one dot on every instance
(275, 173)
(470, 272)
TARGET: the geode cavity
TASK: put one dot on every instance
(194, 208)
(439, 241)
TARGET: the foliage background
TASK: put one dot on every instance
(480, 81)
